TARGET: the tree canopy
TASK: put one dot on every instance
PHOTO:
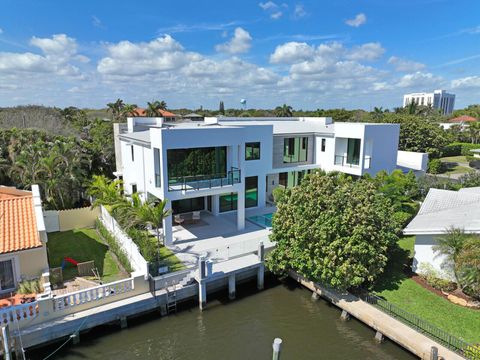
(334, 230)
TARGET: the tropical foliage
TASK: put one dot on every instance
(334, 230)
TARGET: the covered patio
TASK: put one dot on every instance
(217, 237)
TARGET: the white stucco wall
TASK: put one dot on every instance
(424, 253)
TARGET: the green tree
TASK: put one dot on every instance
(154, 108)
(221, 108)
(283, 111)
(468, 263)
(116, 108)
(333, 229)
(105, 191)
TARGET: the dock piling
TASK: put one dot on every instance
(123, 322)
(315, 296)
(277, 347)
(261, 277)
(75, 338)
(345, 315)
(6, 342)
(434, 353)
(231, 286)
(379, 337)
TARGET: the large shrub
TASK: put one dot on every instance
(435, 166)
(334, 230)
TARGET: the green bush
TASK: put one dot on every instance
(114, 246)
(146, 243)
(278, 193)
(453, 149)
(30, 287)
(475, 163)
(435, 166)
(472, 352)
(402, 218)
(433, 278)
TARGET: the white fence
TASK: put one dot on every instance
(137, 261)
(18, 313)
(92, 294)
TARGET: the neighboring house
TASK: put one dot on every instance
(439, 99)
(167, 115)
(193, 117)
(440, 211)
(230, 164)
(462, 119)
(23, 237)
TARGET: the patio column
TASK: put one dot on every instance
(167, 227)
(241, 210)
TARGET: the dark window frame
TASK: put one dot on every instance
(248, 182)
(254, 155)
(132, 152)
(324, 145)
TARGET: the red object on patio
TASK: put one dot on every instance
(71, 261)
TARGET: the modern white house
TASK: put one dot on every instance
(227, 165)
(440, 211)
(438, 99)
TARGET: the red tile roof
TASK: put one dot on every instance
(18, 223)
(463, 118)
(142, 113)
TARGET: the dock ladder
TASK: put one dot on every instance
(172, 299)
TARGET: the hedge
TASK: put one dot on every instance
(113, 246)
(459, 148)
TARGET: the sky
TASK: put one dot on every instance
(307, 54)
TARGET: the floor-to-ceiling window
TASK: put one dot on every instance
(7, 277)
(353, 151)
(251, 191)
(188, 205)
(295, 149)
(195, 162)
(228, 202)
(291, 178)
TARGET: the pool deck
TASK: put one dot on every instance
(218, 238)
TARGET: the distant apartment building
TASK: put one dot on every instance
(439, 99)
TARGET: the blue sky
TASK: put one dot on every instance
(309, 54)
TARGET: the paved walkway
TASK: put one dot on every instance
(393, 329)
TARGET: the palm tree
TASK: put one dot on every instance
(149, 214)
(128, 110)
(105, 191)
(450, 246)
(412, 107)
(283, 111)
(154, 107)
(116, 109)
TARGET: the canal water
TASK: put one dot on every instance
(240, 329)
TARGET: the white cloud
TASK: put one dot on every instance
(358, 20)
(162, 54)
(368, 51)
(406, 65)
(292, 52)
(299, 11)
(466, 82)
(273, 9)
(420, 80)
(239, 43)
(1, 31)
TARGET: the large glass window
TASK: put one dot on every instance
(353, 151)
(252, 151)
(295, 149)
(251, 191)
(156, 165)
(7, 279)
(210, 161)
(188, 205)
(228, 202)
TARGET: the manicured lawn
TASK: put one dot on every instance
(457, 159)
(397, 288)
(452, 164)
(82, 245)
(169, 259)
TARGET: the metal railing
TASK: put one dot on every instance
(428, 329)
(197, 182)
(342, 160)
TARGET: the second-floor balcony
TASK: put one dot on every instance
(352, 162)
(201, 182)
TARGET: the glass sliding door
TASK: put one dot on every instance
(228, 202)
(295, 149)
(251, 191)
(7, 275)
(188, 205)
(353, 152)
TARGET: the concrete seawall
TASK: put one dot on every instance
(385, 325)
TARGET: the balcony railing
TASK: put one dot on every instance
(344, 161)
(197, 182)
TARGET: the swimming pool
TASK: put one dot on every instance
(264, 221)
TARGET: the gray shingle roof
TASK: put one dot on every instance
(444, 209)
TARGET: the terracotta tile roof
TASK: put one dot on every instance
(463, 118)
(142, 112)
(18, 224)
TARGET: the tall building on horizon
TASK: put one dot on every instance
(439, 99)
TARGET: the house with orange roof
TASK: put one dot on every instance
(167, 115)
(23, 237)
(462, 119)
